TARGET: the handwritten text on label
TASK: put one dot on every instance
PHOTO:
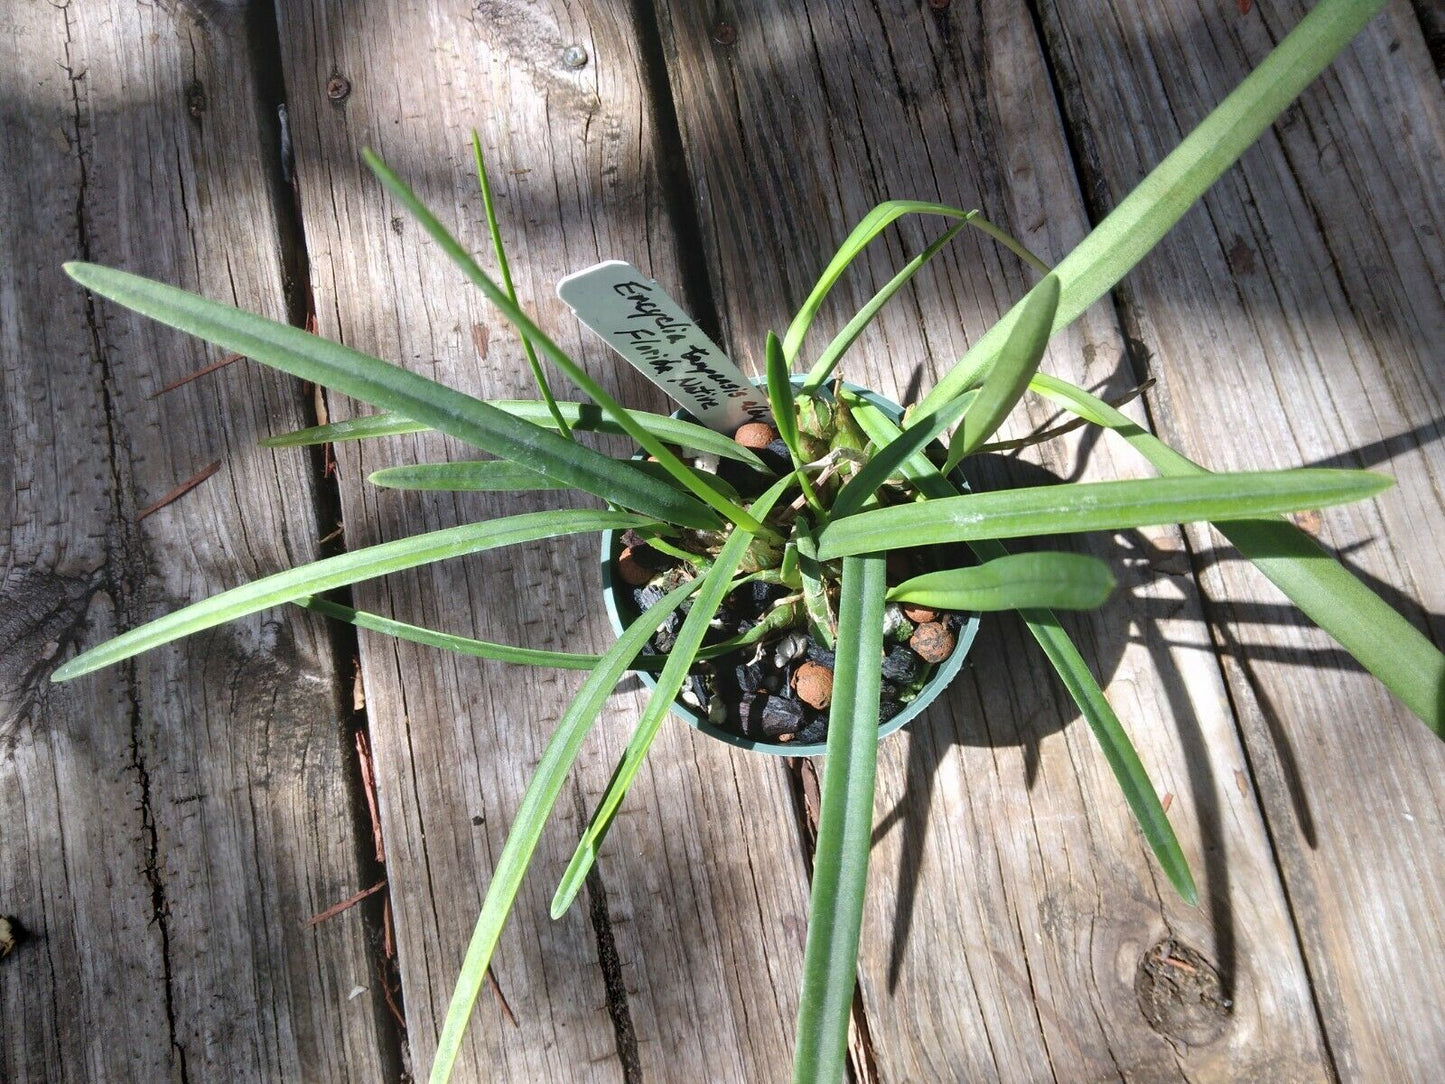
(648, 328)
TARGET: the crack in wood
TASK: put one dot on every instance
(610, 962)
(121, 574)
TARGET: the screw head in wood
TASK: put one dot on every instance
(574, 56)
(338, 88)
(724, 33)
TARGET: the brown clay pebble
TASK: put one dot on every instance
(932, 641)
(919, 614)
(755, 435)
(633, 568)
(814, 684)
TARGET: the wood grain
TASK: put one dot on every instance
(166, 827)
(1301, 307)
(681, 960)
(1013, 907)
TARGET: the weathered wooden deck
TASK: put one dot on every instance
(167, 828)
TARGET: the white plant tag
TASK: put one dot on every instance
(636, 318)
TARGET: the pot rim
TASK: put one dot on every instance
(941, 678)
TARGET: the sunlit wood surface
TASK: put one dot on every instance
(169, 827)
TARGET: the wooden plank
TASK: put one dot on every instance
(167, 827)
(1301, 309)
(1013, 912)
(682, 961)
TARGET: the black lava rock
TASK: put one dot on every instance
(699, 698)
(724, 626)
(763, 716)
(815, 730)
(747, 481)
(776, 456)
(755, 596)
(647, 597)
(901, 665)
(887, 709)
(821, 655)
(747, 677)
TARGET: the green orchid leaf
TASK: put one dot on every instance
(1058, 581)
(505, 270)
(530, 331)
(780, 397)
(476, 475)
(1113, 741)
(363, 427)
(537, 803)
(372, 380)
(815, 591)
(872, 224)
(1134, 227)
(1096, 506)
(833, 353)
(1007, 381)
(845, 828)
(585, 416)
(524, 656)
(497, 476)
(461, 645)
(887, 461)
(332, 572)
(1382, 640)
(715, 586)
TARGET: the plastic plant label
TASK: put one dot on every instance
(636, 318)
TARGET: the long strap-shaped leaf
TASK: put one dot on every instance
(324, 575)
(585, 416)
(1096, 506)
(1005, 383)
(1113, 741)
(828, 360)
(461, 645)
(886, 461)
(1381, 639)
(495, 475)
(504, 270)
(871, 225)
(532, 815)
(473, 475)
(845, 828)
(525, 656)
(1057, 581)
(530, 331)
(1161, 198)
(412, 395)
(715, 586)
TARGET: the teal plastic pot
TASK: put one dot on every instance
(622, 611)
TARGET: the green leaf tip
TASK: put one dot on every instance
(347, 568)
